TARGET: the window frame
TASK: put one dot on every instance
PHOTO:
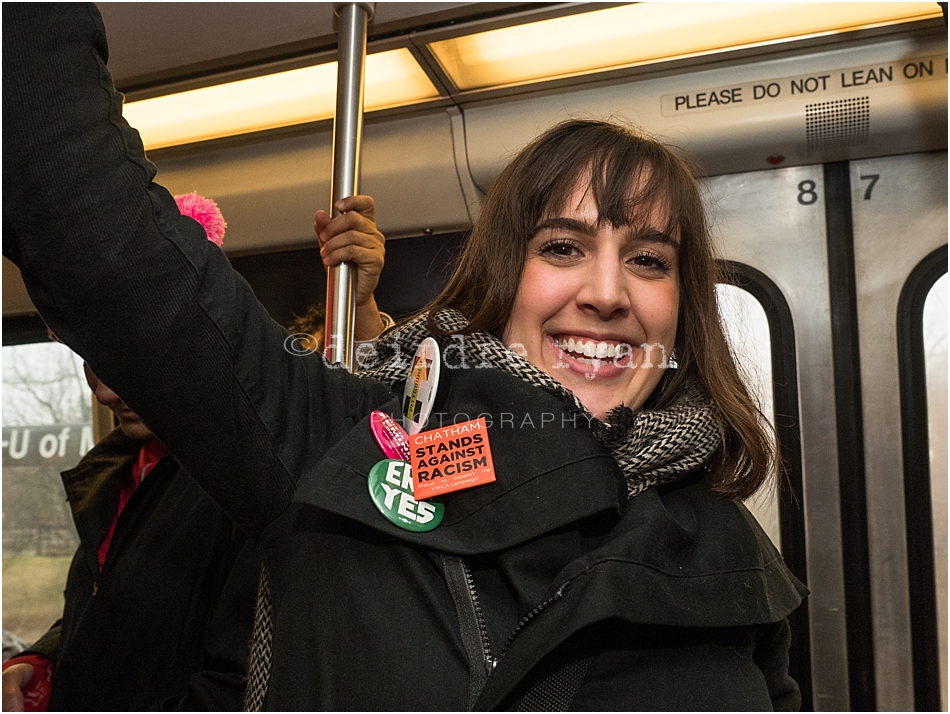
(915, 446)
(787, 419)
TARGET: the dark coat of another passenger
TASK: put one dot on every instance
(139, 634)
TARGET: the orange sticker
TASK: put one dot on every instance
(450, 459)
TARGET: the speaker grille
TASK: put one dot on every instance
(839, 123)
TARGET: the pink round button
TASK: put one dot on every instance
(391, 437)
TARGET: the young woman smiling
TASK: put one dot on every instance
(595, 234)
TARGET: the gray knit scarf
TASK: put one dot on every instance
(650, 446)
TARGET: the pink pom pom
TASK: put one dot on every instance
(206, 212)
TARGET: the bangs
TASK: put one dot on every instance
(629, 180)
(632, 178)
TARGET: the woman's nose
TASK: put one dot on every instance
(105, 396)
(605, 290)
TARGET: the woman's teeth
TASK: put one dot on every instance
(589, 348)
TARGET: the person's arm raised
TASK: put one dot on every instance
(137, 290)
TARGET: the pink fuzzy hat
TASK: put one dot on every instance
(206, 212)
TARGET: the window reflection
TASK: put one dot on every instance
(935, 356)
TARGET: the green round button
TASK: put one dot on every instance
(390, 487)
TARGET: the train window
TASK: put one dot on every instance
(747, 329)
(922, 368)
(46, 429)
(935, 361)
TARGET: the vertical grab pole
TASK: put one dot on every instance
(347, 136)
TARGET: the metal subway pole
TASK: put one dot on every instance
(347, 137)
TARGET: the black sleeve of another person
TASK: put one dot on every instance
(220, 685)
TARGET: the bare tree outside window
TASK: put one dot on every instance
(46, 430)
(43, 384)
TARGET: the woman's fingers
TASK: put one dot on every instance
(352, 236)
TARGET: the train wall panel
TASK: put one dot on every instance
(878, 99)
(774, 221)
(268, 191)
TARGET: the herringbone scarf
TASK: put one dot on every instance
(650, 446)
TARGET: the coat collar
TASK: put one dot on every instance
(94, 486)
(551, 471)
(103, 468)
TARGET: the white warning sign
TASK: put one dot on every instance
(932, 67)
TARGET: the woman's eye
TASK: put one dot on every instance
(560, 249)
(653, 262)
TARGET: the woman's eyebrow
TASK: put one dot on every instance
(652, 235)
(568, 224)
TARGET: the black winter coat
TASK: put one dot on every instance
(140, 634)
(676, 595)
(672, 600)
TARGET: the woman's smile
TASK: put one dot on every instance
(603, 358)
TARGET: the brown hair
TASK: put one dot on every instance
(629, 175)
(312, 321)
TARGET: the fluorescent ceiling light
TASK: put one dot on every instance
(296, 96)
(646, 32)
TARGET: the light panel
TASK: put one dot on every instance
(296, 96)
(646, 32)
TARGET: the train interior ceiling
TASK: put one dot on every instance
(820, 133)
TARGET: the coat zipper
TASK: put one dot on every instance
(531, 615)
(474, 632)
(490, 660)
(472, 628)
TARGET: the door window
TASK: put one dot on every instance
(46, 430)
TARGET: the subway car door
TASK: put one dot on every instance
(834, 254)
(771, 230)
(899, 208)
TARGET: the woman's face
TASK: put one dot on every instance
(597, 305)
(130, 422)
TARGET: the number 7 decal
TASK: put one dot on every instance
(873, 179)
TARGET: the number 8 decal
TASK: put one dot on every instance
(806, 193)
